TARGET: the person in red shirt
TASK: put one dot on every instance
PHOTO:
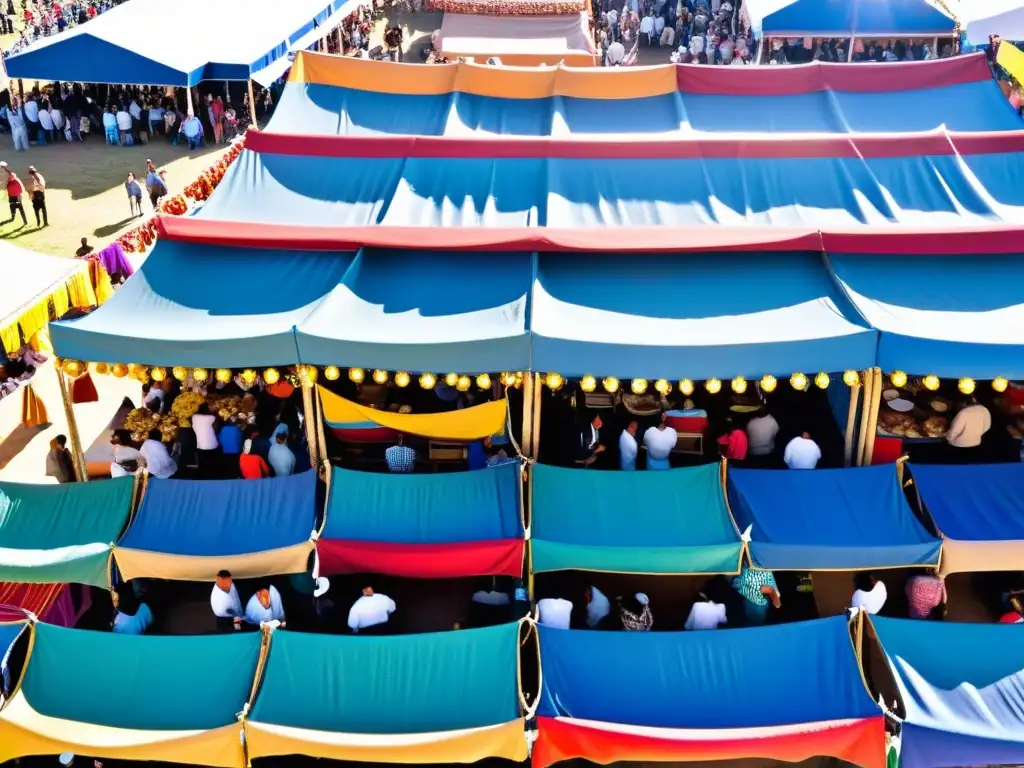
(733, 442)
(15, 189)
(252, 465)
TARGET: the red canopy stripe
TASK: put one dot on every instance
(503, 557)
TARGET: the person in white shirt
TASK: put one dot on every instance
(696, 45)
(659, 28)
(124, 126)
(705, 614)
(598, 606)
(135, 110)
(869, 593)
(126, 458)
(761, 433)
(802, 453)
(647, 29)
(969, 425)
(265, 607)
(16, 117)
(156, 458)
(46, 122)
(225, 603)
(152, 397)
(616, 54)
(110, 126)
(31, 112)
(370, 613)
(206, 441)
(554, 612)
(628, 447)
(660, 441)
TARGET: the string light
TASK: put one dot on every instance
(248, 376)
(332, 372)
(519, 379)
(198, 374)
(402, 379)
(508, 378)
(966, 385)
(120, 370)
(380, 376)
(798, 381)
(101, 368)
(931, 382)
(451, 379)
(463, 383)
(610, 384)
(179, 372)
(309, 375)
(686, 387)
(271, 376)
(638, 386)
(73, 368)
(822, 380)
(999, 384)
(428, 380)
(554, 381)
(898, 378)
(769, 383)
(588, 383)
(157, 374)
(662, 387)
(356, 375)
(851, 378)
(483, 381)
(739, 385)
(714, 386)
(223, 375)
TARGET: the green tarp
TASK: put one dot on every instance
(140, 682)
(662, 522)
(426, 683)
(61, 533)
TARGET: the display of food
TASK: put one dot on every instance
(913, 424)
(141, 421)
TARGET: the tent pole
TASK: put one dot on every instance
(309, 419)
(189, 108)
(869, 388)
(77, 454)
(537, 389)
(252, 108)
(320, 434)
(876, 402)
(528, 415)
(851, 424)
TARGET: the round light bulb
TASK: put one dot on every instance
(638, 386)
(248, 376)
(739, 385)
(179, 372)
(588, 383)
(610, 384)
(713, 385)
(966, 385)
(451, 379)
(463, 383)
(769, 383)
(271, 376)
(931, 382)
(686, 387)
(483, 381)
(898, 378)
(554, 381)
(223, 375)
(120, 370)
(662, 386)
(356, 375)
(309, 375)
(158, 374)
(851, 378)
(380, 376)
(200, 374)
(798, 381)
(822, 380)
(508, 378)
(332, 372)
(999, 384)
(428, 380)
(402, 379)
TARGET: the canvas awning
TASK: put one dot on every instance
(519, 41)
(691, 696)
(962, 687)
(261, 528)
(446, 697)
(938, 315)
(978, 510)
(179, 703)
(671, 522)
(193, 45)
(444, 525)
(387, 312)
(722, 314)
(858, 18)
(829, 519)
(996, 17)
(61, 533)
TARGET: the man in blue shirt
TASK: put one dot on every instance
(401, 459)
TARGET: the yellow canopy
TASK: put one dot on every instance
(474, 423)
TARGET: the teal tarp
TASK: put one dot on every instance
(673, 521)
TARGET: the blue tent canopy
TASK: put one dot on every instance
(860, 18)
(829, 519)
(404, 310)
(240, 313)
(260, 528)
(974, 502)
(704, 679)
(328, 110)
(965, 319)
(632, 522)
(723, 315)
(424, 509)
(193, 41)
(962, 686)
(920, 191)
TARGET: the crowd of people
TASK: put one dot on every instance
(43, 19)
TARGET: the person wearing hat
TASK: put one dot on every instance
(15, 189)
(369, 614)
(38, 195)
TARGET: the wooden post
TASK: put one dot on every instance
(253, 124)
(851, 424)
(528, 385)
(538, 388)
(321, 435)
(309, 421)
(189, 106)
(873, 408)
(869, 388)
(77, 454)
